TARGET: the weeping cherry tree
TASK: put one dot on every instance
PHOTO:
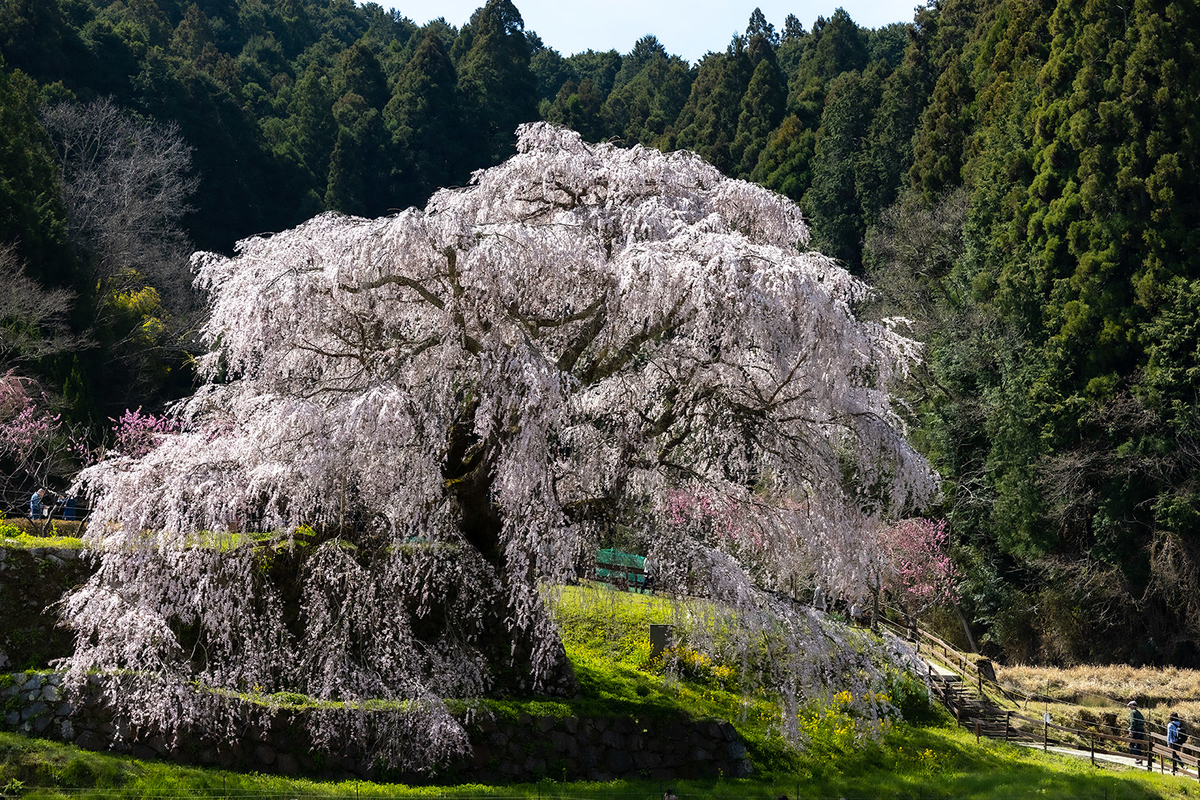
(443, 411)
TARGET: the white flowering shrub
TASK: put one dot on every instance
(459, 400)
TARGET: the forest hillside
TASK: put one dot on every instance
(1015, 177)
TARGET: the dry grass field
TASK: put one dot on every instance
(1098, 694)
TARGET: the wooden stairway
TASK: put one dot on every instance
(965, 700)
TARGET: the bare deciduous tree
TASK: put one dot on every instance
(33, 319)
(125, 185)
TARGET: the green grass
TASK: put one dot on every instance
(605, 636)
(909, 762)
(24, 535)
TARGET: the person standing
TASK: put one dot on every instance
(1137, 731)
(35, 504)
(1174, 740)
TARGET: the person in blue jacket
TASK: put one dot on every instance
(1175, 740)
(35, 504)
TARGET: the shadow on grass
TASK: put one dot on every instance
(909, 763)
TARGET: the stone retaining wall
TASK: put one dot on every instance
(502, 750)
(30, 582)
(524, 749)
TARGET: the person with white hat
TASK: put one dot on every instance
(1137, 731)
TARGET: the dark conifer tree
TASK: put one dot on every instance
(600, 67)
(708, 122)
(792, 46)
(37, 39)
(347, 172)
(498, 88)
(578, 107)
(551, 71)
(839, 45)
(835, 46)
(762, 111)
(312, 123)
(362, 74)
(192, 35)
(883, 164)
(940, 144)
(785, 162)
(296, 29)
(425, 119)
(832, 202)
(645, 109)
(359, 179)
(31, 214)
(792, 29)
(241, 190)
(763, 104)
(645, 50)
(759, 28)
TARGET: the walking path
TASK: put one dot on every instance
(1128, 762)
(979, 703)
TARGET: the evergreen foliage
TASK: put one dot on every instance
(644, 109)
(708, 121)
(424, 115)
(762, 110)
(1017, 176)
(832, 200)
(31, 213)
(496, 83)
(1066, 461)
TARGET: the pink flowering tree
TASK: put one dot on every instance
(33, 442)
(918, 570)
(451, 404)
(135, 434)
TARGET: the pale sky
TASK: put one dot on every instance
(688, 28)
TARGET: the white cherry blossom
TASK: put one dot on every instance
(461, 401)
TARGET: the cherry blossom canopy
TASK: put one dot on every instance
(584, 337)
(581, 326)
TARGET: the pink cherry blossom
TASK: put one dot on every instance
(137, 433)
(922, 573)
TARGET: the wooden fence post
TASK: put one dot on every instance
(1007, 717)
(1093, 737)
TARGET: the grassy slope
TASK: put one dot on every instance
(605, 637)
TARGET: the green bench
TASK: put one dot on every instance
(626, 571)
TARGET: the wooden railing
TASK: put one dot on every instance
(968, 700)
